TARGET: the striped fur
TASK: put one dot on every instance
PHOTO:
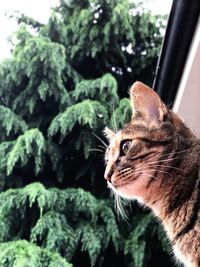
(161, 169)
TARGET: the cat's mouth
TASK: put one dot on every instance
(121, 183)
(122, 189)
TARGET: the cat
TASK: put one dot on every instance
(155, 158)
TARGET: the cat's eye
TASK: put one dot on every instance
(125, 146)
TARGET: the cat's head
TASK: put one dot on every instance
(141, 155)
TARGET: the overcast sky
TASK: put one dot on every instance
(40, 10)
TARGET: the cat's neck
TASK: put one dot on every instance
(176, 197)
(172, 210)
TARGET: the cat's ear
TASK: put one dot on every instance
(147, 103)
(109, 134)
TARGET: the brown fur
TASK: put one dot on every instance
(161, 169)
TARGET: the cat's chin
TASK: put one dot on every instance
(124, 191)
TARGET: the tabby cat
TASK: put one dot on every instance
(155, 158)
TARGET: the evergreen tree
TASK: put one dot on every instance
(64, 82)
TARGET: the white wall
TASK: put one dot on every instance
(187, 102)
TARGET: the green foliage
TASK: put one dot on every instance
(104, 89)
(121, 114)
(118, 37)
(55, 227)
(111, 27)
(22, 18)
(65, 241)
(144, 234)
(32, 79)
(136, 244)
(64, 82)
(17, 153)
(88, 114)
(24, 254)
(85, 113)
(10, 123)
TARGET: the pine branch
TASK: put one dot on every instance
(103, 89)
(136, 244)
(34, 77)
(22, 18)
(10, 123)
(47, 59)
(24, 254)
(17, 153)
(88, 113)
(65, 240)
(122, 114)
(75, 215)
(91, 239)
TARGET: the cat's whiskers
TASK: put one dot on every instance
(146, 162)
(127, 177)
(150, 169)
(96, 150)
(102, 147)
(148, 157)
(122, 175)
(100, 139)
(119, 201)
(163, 166)
(127, 168)
(120, 208)
(123, 171)
(161, 171)
(158, 161)
(119, 205)
(140, 169)
(114, 122)
(132, 172)
(139, 172)
(143, 164)
(152, 176)
(164, 155)
(176, 152)
(173, 153)
(152, 163)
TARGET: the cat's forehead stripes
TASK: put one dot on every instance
(119, 136)
(114, 146)
(116, 141)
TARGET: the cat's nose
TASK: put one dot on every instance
(108, 175)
